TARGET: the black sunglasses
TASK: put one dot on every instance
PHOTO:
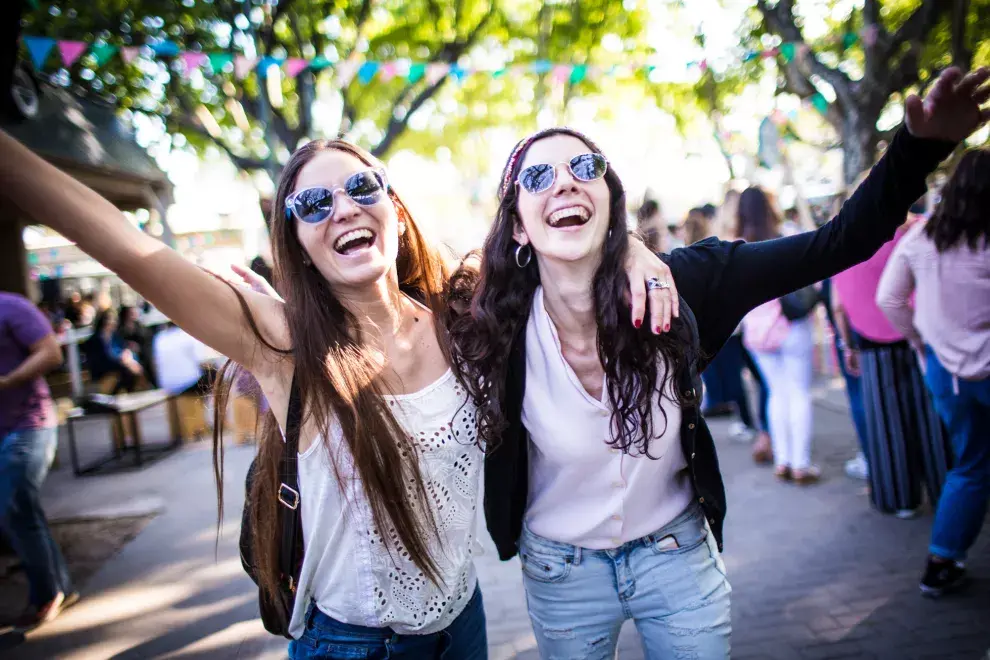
(586, 167)
(314, 205)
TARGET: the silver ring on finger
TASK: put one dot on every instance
(653, 283)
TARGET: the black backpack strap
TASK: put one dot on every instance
(290, 548)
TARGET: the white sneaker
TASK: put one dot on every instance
(741, 433)
(856, 468)
(906, 514)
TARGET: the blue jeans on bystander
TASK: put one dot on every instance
(671, 583)
(25, 457)
(964, 406)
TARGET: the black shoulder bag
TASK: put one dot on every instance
(798, 304)
(276, 610)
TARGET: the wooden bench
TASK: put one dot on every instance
(123, 412)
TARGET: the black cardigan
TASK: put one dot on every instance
(719, 282)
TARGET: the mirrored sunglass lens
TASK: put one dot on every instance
(588, 167)
(314, 204)
(537, 178)
(364, 188)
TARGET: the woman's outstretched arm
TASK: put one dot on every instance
(200, 303)
(723, 281)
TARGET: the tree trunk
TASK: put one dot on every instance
(859, 146)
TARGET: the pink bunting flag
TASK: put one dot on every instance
(436, 71)
(294, 66)
(346, 71)
(243, 66)
(71, 51)
(387, 71)
(192, 61)
(128, 53)
(560, 73)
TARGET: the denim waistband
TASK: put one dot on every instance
(692, 515)
(318, 619)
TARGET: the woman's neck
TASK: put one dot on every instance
(382, 312)
(569, 299)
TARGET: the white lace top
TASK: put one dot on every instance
(347, 568)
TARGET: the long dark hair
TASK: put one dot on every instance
(964, 211)
(483, 337)
(338, 381)
(756, 218)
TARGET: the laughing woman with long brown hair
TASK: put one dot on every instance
(388, 456)
(601, 473)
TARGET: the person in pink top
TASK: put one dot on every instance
(945, 263)
(905, 444)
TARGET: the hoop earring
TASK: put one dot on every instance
(529, 255)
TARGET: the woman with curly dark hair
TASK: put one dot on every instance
(600, 472)
(945, 264)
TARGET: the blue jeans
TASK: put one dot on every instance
(25, 457)
(854, 391)
(326, 638)
(964, 407)
(678, 597)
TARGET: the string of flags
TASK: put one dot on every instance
(40, 50)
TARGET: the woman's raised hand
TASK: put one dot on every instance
(952, 110)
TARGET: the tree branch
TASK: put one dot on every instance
(962, 57)
(780, 19)
(448, 54)
(918, 24)
(240, 162)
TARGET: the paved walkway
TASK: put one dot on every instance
(815, 573)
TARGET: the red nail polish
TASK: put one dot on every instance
(637, 323)
(666, 327)
(657, 330)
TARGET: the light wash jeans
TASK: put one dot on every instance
(678, 597)
(25, 457)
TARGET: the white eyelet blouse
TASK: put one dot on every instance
(348, 568)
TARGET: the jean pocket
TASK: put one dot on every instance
(545, 567)
(688, 536)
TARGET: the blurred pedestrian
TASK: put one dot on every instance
(780, 335)
(106, 355)
(906, 448)
(28, 439)
(650, 224)
(944, 264)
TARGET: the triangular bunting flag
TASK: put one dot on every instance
(191, 60)
(458, 72)
(319, 63)
(128, 53)
(265, 62)
(294, 66)
(436, 72)
(39, 48)
(560, 73)
(345, 73)
(220, 61)
(367, 72)
(416, 72)
(387, 71)
(541, 66)
(243, 66)
(578, 73)
(71, 51)
(165, 49)
(102, 53)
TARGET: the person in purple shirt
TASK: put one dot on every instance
(28, 437)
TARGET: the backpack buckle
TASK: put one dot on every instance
(288, 496)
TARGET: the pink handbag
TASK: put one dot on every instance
(765, 328)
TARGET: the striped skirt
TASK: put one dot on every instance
(907, 447)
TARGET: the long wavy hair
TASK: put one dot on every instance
(756, 217)
(963, 214)
(498, 300)
(338, 381)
